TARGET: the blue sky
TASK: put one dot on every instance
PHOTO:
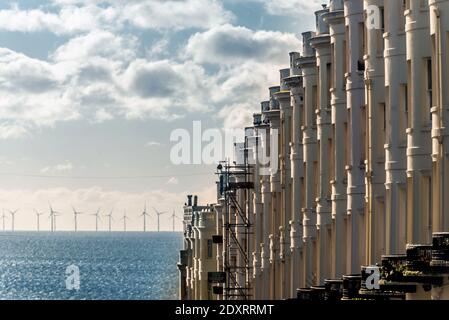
(94, 88)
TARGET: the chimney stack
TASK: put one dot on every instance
(189, 200)
(195, 201)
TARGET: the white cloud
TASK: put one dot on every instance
(70, 16)
(249, 62)
(31, 95)
(247, 82)
(67, 20)
(229, 44)
(102, 115)
(11, 131)
(237, 116)
(99, 75)
(170, 14)
(173, 181)
(19, 72)
(62, 167)
(162, 85)
(95, 77)
(293, 8)
(97, 44)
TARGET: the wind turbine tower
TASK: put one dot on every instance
(13, 215)
(97, 217)
(174, 216)
(3, 218)
(124, 218)
(145, 214)
(158, 216)
(75, 215)
(110, 219)
(38, 216)
(53, 215)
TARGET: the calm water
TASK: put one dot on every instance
(114, 265)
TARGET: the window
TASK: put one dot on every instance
(316, 174)
(290, 126)
(314, 104)
(402, 221)
(428, 79)
(403, 110)
(209, 248)
(409, 83)
(346, 52)
(331, 164)
(427, 204)
(387, 115)
(362, 40)
(410, 216)
(382, 125)
(302, 121)
(382, 18)
(345, 63)
(348, 140)
(363, 141)
(330, 83)
(380, 32)
(319, 84)
(401, 24)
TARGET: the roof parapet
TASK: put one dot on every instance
(283, 73)
(307, 49)
(321, 26)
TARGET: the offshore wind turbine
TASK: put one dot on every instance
(3, 218)
(144, 215)
(174, 216)
(158, 216)
(38, 216)
(97, 217)
(110, 217)
(53, 215)
(124, 218)
(13, 215)
(75, 215)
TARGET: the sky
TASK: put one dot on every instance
(91, 91)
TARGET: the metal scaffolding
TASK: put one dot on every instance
(235, 186)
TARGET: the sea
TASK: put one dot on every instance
(89, 265)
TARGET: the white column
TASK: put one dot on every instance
(283, 97)
(375, 157)
(295, 84)
(419, 160)
(321, 43)
(307, 63)
(439, 30)
(335, 19)
(273, 117)
(396, 118)
(355, 91)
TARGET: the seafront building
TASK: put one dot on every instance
(359, 127)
